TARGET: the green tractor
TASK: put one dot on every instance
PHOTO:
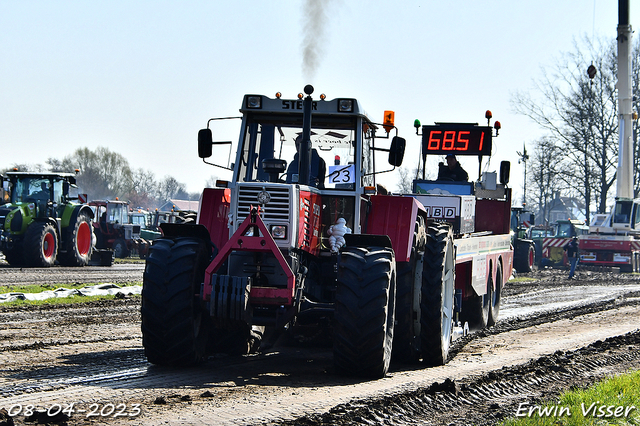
(42, 223)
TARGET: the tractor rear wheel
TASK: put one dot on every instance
(78, 244)
(406, 330)
(364, 311)
(40, 245)
(525, 260)
(175, 323)
(438, 288)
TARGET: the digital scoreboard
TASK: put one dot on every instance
(457, 139)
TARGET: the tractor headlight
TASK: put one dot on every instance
(254, 102)
(345, 105)
(279, 232)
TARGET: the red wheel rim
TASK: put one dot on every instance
(83, 239)
(531, 258)
(49, 245)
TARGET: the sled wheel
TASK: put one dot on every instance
(494, 310)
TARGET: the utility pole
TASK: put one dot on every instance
(523, 157)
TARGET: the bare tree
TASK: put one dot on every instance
(544, 176)
(581, 116)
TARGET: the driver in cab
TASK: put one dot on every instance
(318, 167)
(453, 171)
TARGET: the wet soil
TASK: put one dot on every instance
(91, 356)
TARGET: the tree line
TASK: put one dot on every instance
(578, 157)
(104, 174)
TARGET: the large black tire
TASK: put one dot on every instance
(79, 244)
(364, 311)
(40, 245)
(175, 323)
(406, 330)
(120, 249)
(525, 257)
(437, 295)
(494, 309)
(14, 257)
(476, 309)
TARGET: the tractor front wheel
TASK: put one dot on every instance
(364, 311)
(175, 323)
(40, 245)
(120, 248)
(14, 257)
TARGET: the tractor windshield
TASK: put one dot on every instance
(31, 189)
(117, 213)
(333, 151)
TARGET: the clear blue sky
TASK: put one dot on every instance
(142, 77)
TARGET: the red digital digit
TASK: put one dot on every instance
(433, 140)
(465, 142)
(448, 140)
(481, 141)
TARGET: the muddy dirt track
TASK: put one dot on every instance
(554, 334)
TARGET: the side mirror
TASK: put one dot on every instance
(396, 151)
(205, 141)
(505, 168)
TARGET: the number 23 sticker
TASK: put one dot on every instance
(342, 174)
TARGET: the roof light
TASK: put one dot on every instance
(389, 119)
(278, 95)
(254, 102)
(345, 105)
(323, 96)
(488, 115)
(300, 96)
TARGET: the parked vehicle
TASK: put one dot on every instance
(42, 223)
(113, 230)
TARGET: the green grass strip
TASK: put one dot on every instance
(614, 401)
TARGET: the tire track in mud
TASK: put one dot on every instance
(286, 384)
(492, 397)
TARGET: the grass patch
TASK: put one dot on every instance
(614, 401)
(33, 288)
(522, 279)
(129, 260)
(62, 300)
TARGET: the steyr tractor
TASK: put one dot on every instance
(43, 224)
(113, 230)
(302, 241)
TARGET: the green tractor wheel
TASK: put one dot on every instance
(78, 244)
(41, 245)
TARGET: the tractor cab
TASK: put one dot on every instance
(285, 164)
(46, 192)
(112, 227)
